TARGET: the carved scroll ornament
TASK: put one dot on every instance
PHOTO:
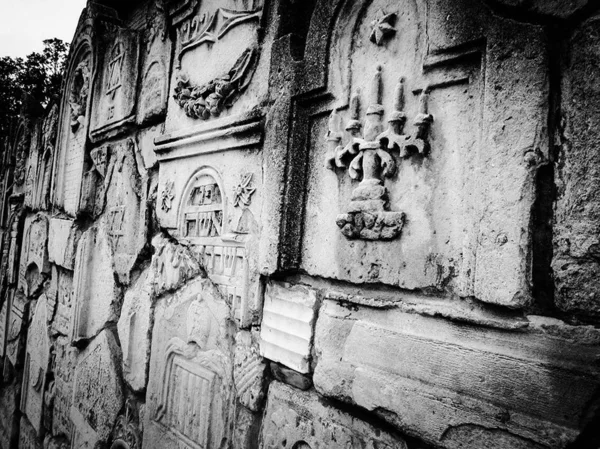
(368, 157)
(210, 99)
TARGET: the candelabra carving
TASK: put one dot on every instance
(368, 156)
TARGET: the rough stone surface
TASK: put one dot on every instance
(410, 370)
(298, 420)
(297, 224)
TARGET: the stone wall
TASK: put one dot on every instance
(324, 224)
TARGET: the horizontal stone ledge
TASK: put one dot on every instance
(230, 133)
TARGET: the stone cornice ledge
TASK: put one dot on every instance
(231, 133)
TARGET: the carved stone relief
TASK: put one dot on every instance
(64, 362)
(35, 267)
(172, 265)
(126, 434)
(190, 386)
(97, 391)
(115, 93)
(37, 358)
(368, 216)
(248, 372)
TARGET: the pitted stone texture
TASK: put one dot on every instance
(134, 329)
(62, 242)
(28, 437)
(575, 264)
(248, 371)
(65, 361)
(288, 325)
(37, 359)
(97, 392)
(190, 389)
(296, 419)
(410, 370)
(95, 293)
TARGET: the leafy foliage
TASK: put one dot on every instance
(30, 82)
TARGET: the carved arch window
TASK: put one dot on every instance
(202, 207)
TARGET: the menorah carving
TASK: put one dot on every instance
(368, 158)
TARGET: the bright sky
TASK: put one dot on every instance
(24, 24)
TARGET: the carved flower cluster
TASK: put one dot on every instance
(210, 99)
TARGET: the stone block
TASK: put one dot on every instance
(428, 376)
(248, 372)
(190, 392)
(97, 390)
(299, 420)
(95, 292)
(62, 242)
(37, 359)
(135, 330)
(288, 325)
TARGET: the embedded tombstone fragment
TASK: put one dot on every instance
(134, 329)
(126, 434)
(62, 242)
(172, 265)
(248, 372)
(35, 267)
(125, 212)
(288, 325)
(17, 320)
(97, 391)
(114, 95)
(298, 420)
(190, 390)
(95, 292)
(65, 360)
(37, 358)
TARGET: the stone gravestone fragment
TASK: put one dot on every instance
(288, 325)
(297, 419)
(17, 322)
(248, 372)
(190, 391)
(95, 292)
(125, 212)
(135, 330)
(34, 267)
(172, 265)
(114, 105)
(97, 390)
(65, 360)
(62, 242)
(64, 308)
(37, 358)
(28, 438)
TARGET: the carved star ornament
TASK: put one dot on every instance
(382, 27)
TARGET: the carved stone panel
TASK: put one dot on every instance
(95, 292)
(298, 420)
(61, 324)
(125, 212)
(190, 392)
(34, 267)
(63, 237)
(222, 232)
(37, 358)
(97, 392)
(288, 323)
(226, 34)
(115, 91)
(248, 371)
(64, 362)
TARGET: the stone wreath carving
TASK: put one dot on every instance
(78, 94)
(212, 98)
(368, 156)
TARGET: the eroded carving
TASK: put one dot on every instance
(79, 93)
(167, 195)
(242, 194)
(368, 157)
(382, 27)
(126, 434)
(212, 98)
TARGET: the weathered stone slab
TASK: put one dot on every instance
(94, 287)
(115, 94)
(190, 391)
(248, 371)
(135, 330)
(34, 266)
(62, 242)
(298, 419)
(428, 376)
(37, 359)
(97, 392)
(17, 323)
(288, 325)
(9, 415)
(172, 265)
(64, 304)
(65, 361)
(125, 212)
(28, 437)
